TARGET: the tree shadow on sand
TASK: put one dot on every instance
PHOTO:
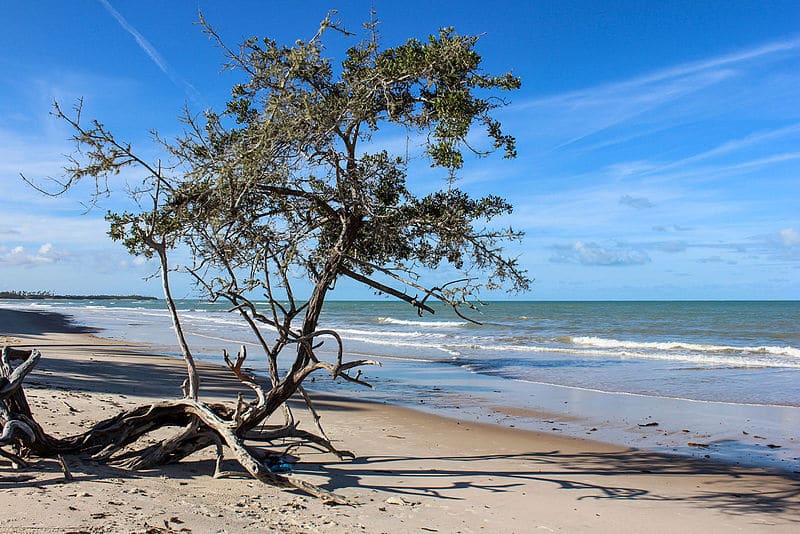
(592, 475)
(40, 322)
(137, 376)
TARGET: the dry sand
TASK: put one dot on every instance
(414, 472)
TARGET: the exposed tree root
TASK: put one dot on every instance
(199, 426)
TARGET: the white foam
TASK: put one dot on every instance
(680, 345)
(225, 340)
(722, 358)
(432, 324)
(377, 341)
(391, 333)
(209, 318)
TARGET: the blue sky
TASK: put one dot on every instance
(659, 143)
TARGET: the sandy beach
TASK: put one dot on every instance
(414, 472)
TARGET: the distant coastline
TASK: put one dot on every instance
(37, 295)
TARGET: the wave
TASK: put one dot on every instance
(224, 339)
(389, 333)
(486, 349)
(727, 358)
(216, 319)
(705, 359)
(598, 342)
(434, 324)
(377, 341)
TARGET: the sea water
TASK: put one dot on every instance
(729, 370)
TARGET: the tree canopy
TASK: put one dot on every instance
(286, 171)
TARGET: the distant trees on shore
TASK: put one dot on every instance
(42, 295)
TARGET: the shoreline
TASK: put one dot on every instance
(750, 434)
(736, 434)
(415, 472)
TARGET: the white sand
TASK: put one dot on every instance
(415, 472)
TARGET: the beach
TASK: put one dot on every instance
(649, 375)
(414, 471)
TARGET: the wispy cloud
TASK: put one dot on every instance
(724, 168)
(716, 259)
(152, 53)
(638, 203)
(727, 60)
(782, 246)
(735, 145)
(617, 254)
(706, 152)
(68, 228)
(672, 247)
(654, 99)
(731, 61)
(674, 227)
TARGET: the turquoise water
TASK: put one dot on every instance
(738, 352)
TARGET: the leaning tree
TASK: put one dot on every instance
(288, 183)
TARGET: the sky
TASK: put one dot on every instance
(659, 143)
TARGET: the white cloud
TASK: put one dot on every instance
(594, 254)
(143, 43)
(18, 256)
(790, 237)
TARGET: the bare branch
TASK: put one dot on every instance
(386, 289)
(245, 378)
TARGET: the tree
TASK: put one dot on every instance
(285, 183)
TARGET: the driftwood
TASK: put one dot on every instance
(200, 425)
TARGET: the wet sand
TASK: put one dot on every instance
(414, 472)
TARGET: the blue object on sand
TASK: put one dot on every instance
(280, 467)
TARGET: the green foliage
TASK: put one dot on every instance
(282, 181)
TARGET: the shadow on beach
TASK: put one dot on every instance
(18, 322)
(591, 475)
(133, 374)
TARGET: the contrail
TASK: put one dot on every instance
(152, 53)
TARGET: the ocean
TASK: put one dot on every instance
(729, 370)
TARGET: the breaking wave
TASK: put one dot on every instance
(430, 324)
(598, 342)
